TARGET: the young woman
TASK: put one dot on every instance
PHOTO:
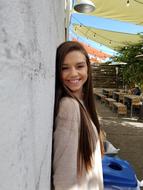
(77, 145)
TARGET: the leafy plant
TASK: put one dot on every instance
(133, 71)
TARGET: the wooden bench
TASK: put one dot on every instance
(100, 96)
(121, 108)
(121, 97)
(137, 104)
(109, 101)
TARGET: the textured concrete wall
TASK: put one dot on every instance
(30, 30)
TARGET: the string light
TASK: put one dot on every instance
(89, 30)
(128, 3)
(138, 1)
(82, 39)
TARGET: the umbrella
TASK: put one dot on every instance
(140, 57)
(117, 63)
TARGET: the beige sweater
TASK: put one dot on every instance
(66, 138)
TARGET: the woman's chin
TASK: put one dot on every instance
(74, 90)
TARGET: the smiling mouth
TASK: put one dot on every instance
(74, 81)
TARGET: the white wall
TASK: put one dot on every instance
(30, 31)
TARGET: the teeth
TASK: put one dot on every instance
(74, 81)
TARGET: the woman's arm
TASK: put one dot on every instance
(66, 138)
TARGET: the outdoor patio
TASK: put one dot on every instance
(124, 133)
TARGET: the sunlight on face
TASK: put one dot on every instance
(74, 72)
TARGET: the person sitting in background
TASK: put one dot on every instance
(136, 90)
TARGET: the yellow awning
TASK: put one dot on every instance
(118, 10)
(110, 39)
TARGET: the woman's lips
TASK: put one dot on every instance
(74, 81)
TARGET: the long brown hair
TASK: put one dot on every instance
(86, 141)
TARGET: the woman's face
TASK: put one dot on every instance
(75, 72)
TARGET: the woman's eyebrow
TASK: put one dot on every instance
(82, 62)
(66, 64)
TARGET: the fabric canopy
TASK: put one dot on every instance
(108, 38)
(118, 10)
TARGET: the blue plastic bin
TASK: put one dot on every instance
(118, 174)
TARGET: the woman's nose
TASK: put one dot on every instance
(74, 72)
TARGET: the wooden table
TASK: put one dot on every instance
(132, 100)
(118, 96)
(108, 92)
(121, 108)
(109, 101)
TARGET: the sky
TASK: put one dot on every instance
(102, 23)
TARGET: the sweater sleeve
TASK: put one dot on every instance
(66, 138)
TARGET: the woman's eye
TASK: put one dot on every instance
(80, 66)
(64, 68)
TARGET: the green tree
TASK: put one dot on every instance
(133, 71)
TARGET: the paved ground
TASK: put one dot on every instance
(125, 134)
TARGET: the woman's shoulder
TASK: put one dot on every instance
(69, 108)
(69, 101)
